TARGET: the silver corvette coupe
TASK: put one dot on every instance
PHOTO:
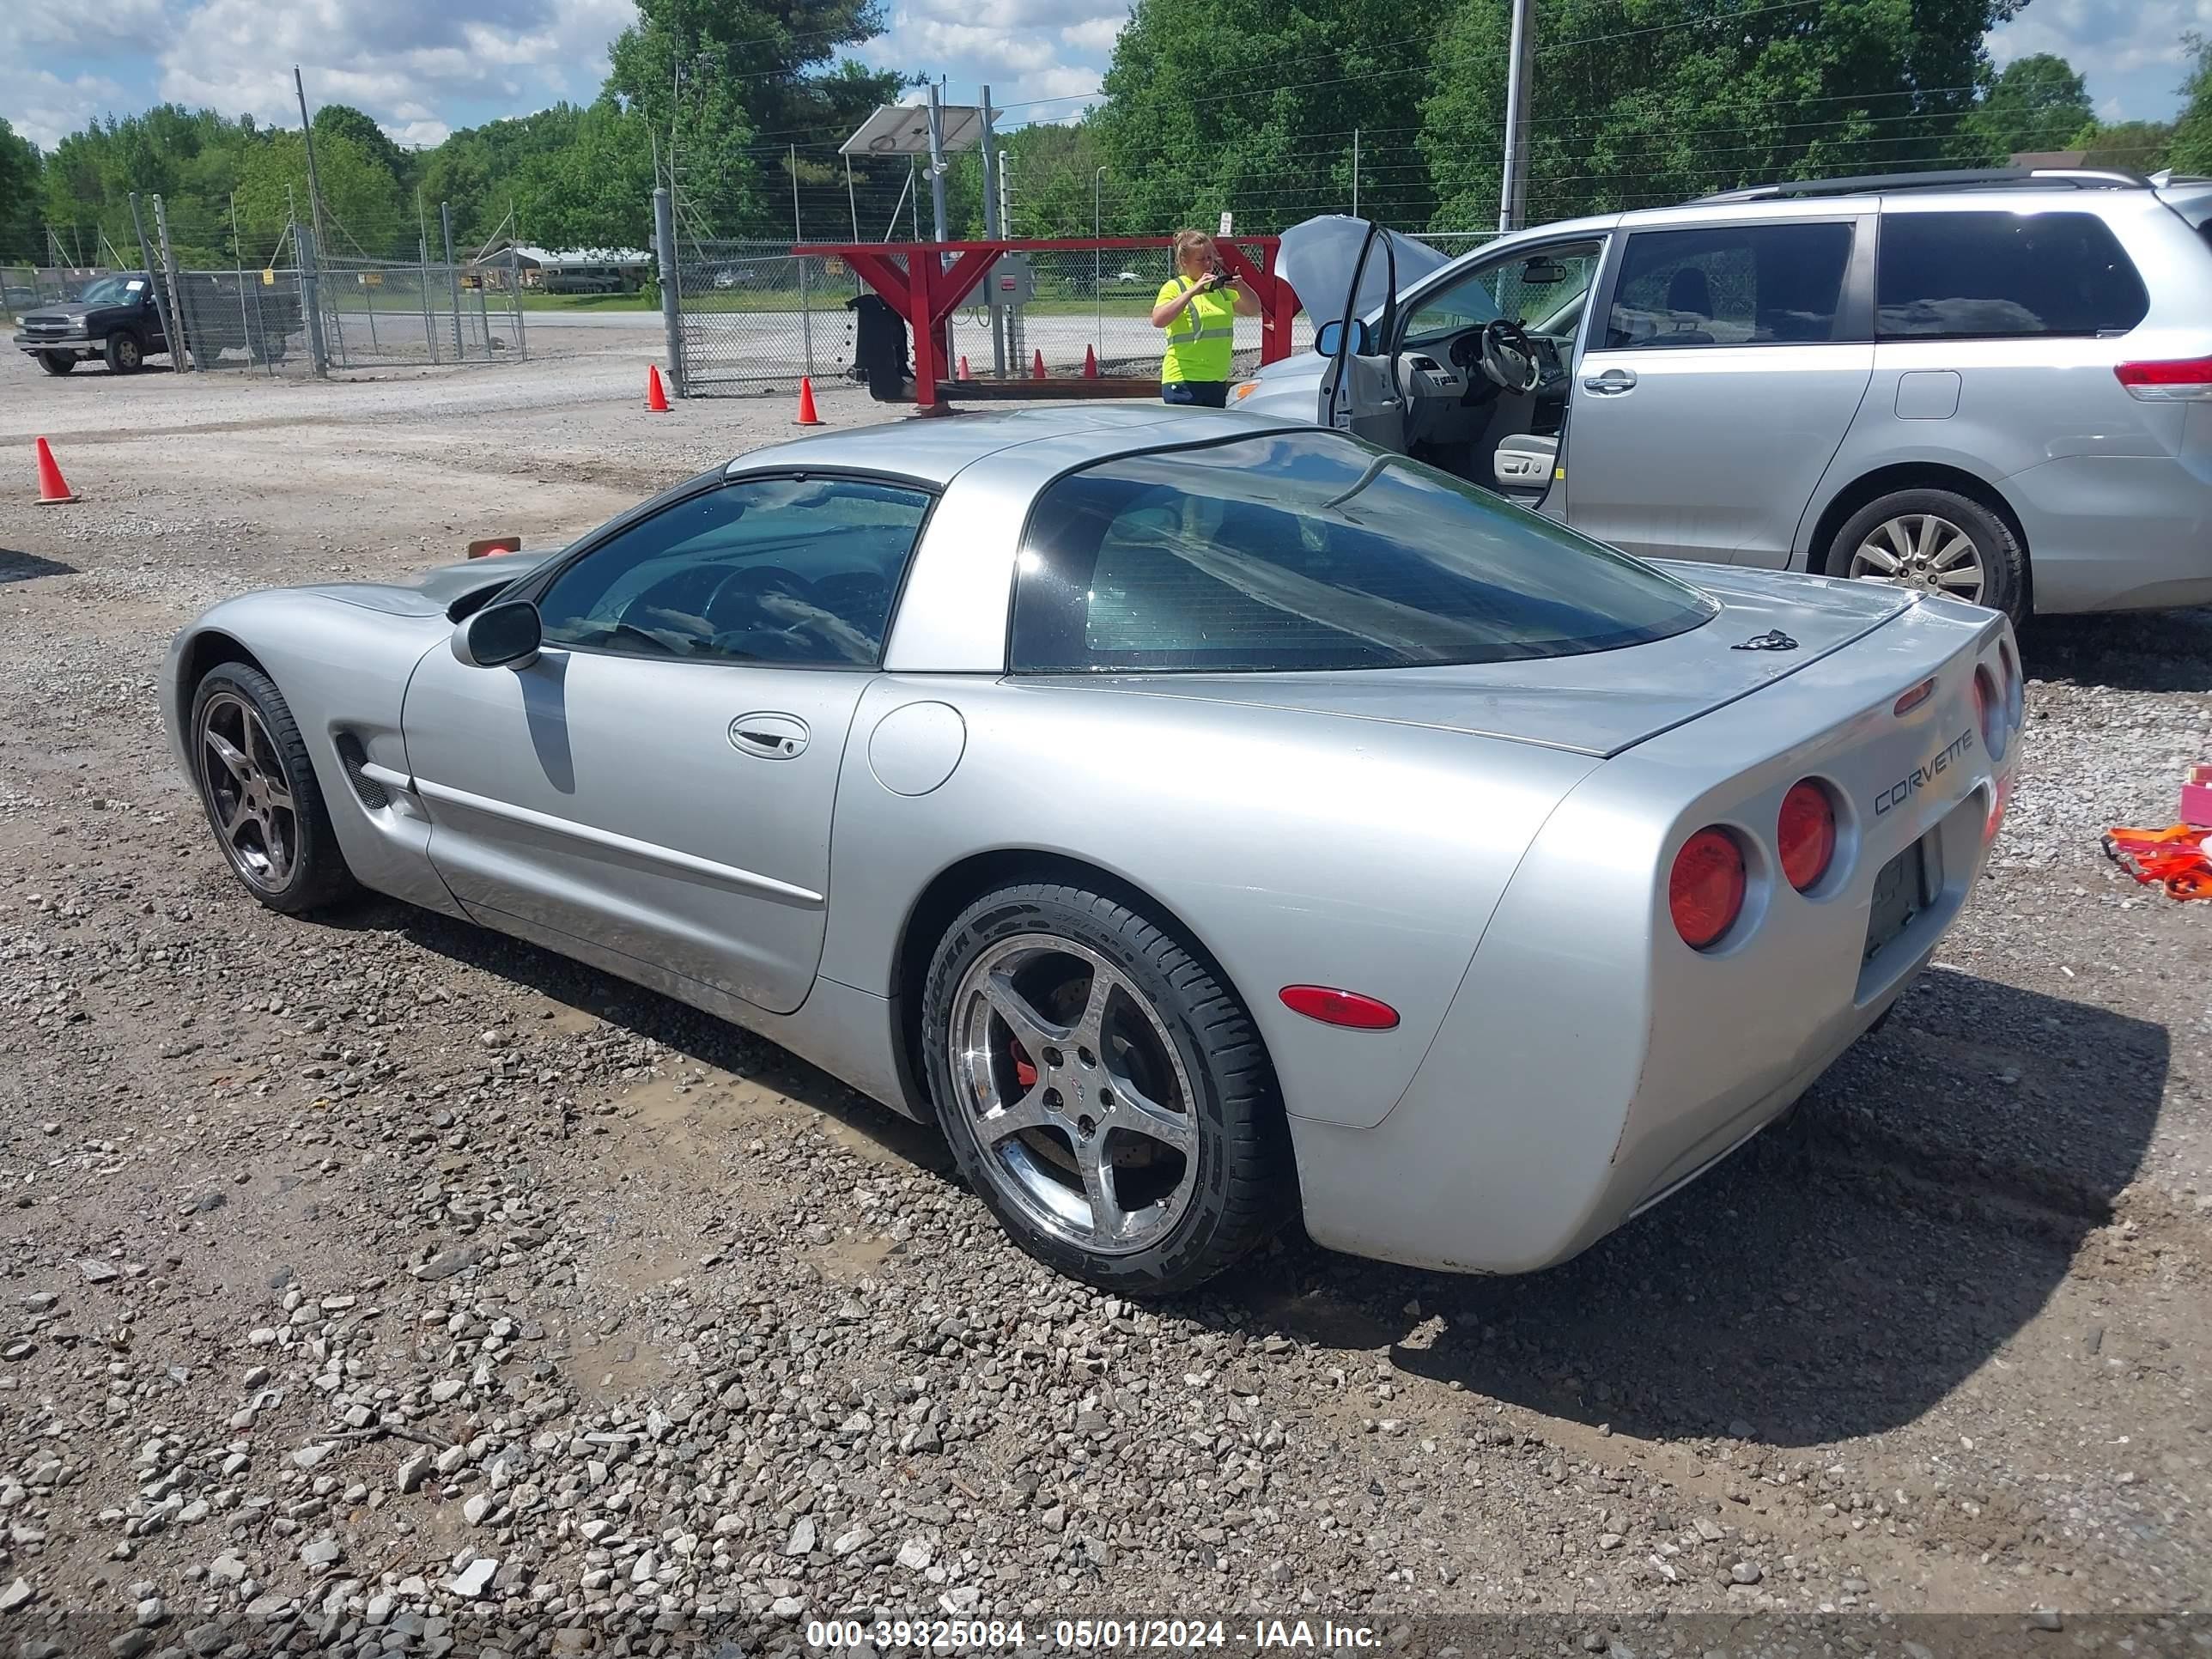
(1202, 818)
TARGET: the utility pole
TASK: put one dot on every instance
(993, 229)
(314, 185)
(937, 159)
(1355, 173)
(1513, 182)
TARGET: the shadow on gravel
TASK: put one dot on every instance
(1837, 1277)
(2129, 650)
(26, 566)
(697, 1037)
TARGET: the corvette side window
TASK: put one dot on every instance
(795, 571)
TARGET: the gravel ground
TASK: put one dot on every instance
(383, 1284)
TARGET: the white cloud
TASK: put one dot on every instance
(2130, 51)
(43, 107)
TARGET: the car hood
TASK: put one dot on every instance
(1316, 258)
(1598, 703)
(433, 591)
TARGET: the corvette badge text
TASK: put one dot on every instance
(1921, 776)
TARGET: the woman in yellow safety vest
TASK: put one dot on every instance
(1198, 306)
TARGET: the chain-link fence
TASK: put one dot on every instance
(26, 288)
(752, 316)
(388, 314)
(299, 313)
(241, 319)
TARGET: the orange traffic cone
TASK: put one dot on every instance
(656, 396)
(53, 488)
(964, 374)
(1036, 366)
(1089, 364)
(807, 414)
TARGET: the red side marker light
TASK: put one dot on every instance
(1912, 699)
(1335, 1007)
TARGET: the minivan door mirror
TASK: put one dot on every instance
(503, 635)
(1330, 334)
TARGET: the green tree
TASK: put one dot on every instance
(1251, 105)
(363, 215)
(2138, 146)
(1640, 102)
(343, 120)
(725, 85)
(2192, 151)
(20, 166)
(2038, 104)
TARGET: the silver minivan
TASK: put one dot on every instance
(1996, 384)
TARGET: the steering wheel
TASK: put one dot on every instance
(1508, 356)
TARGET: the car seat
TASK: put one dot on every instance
(1688, 291)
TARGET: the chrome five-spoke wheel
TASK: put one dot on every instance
(248, 797)
(1081, 1108)
(1103, 1089)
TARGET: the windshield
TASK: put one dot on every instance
(113, 291)
(1313, 551)
(1541, 289)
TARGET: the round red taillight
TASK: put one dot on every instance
(1706, 889)
(1805, 833)
(1989, 714)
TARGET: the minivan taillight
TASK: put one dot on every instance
(1705, 888)
(2181, 379)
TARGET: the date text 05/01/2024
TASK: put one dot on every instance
(1094, 1635)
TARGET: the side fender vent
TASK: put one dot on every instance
(353, 757)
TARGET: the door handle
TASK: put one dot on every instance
(769, 736)
(1612, 383)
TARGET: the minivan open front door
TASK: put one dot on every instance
(1359, 392)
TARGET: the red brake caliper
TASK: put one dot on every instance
(1025, 1073)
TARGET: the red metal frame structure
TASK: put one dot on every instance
(927, 282)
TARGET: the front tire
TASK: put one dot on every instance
(255, 780)
(56, 362)
(1937, 541)
(1103, 1091)
(126, 354)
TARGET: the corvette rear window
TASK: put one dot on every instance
(1314, 551)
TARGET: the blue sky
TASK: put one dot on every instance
(423, 67)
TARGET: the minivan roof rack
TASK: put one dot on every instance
(1954, 179)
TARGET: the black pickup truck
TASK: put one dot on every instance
(115, 319)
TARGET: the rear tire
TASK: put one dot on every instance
(1104, 1094)
(1930, 540)
(257, 785)
(126, 353)
(56, 362)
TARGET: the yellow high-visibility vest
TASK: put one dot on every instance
(1203, 335)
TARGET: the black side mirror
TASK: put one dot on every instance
(503, 635)
(1330, 334)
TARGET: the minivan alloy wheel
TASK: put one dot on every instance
(1079, 1102)
(1921, 550)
